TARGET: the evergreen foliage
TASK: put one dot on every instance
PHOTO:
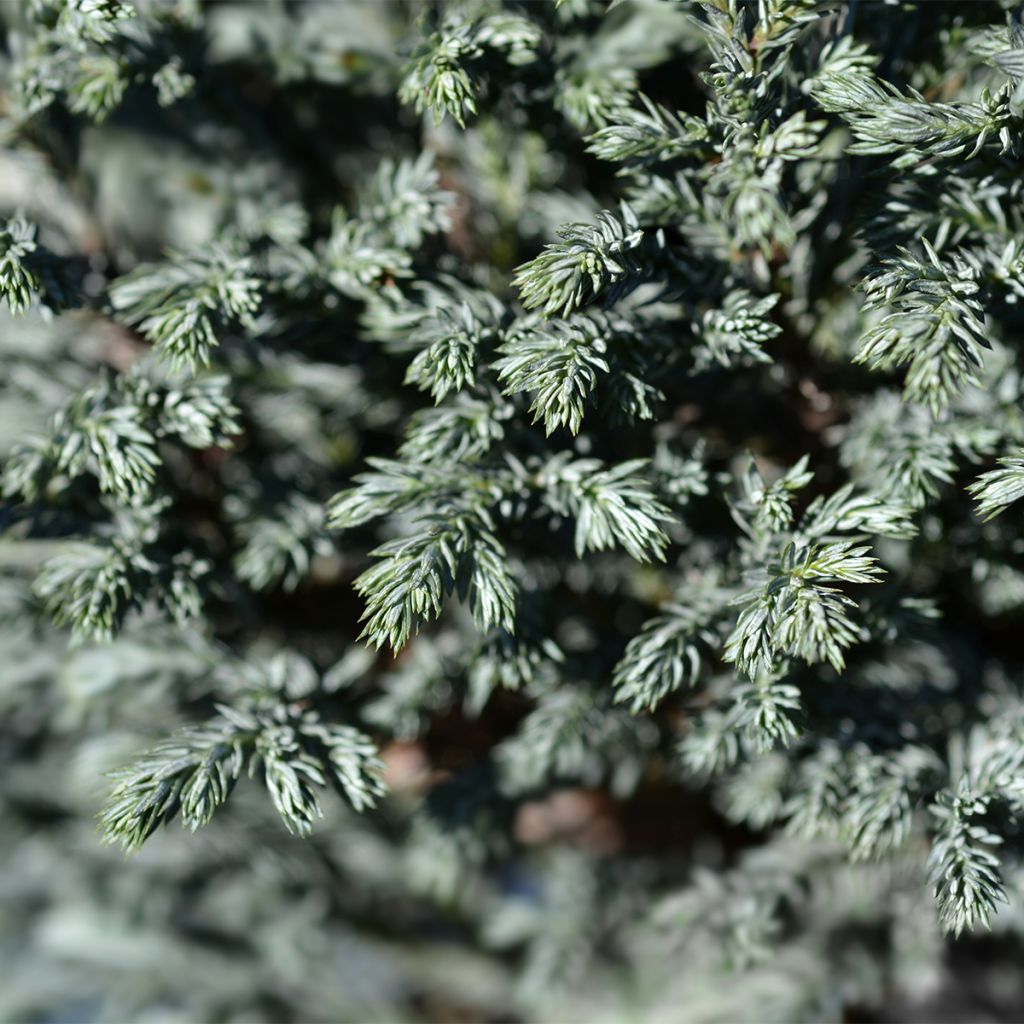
(531, 487)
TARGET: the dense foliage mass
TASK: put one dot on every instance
(524, 493)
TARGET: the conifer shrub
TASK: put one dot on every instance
(510, 510)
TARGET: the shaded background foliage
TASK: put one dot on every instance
(612, 791)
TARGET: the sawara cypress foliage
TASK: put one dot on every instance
(511, 510)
